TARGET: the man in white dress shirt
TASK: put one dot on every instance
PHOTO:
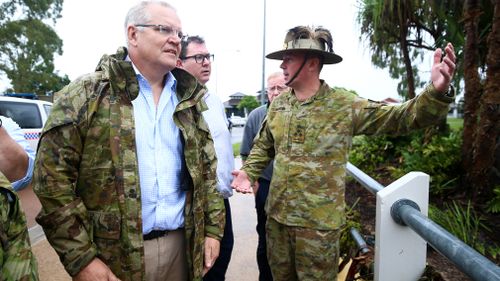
(195, 59)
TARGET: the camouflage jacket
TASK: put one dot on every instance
(86, 174)
(310, 141)
(17, 262)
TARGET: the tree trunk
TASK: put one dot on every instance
(472, 86)
(488, 127)
(403, 33)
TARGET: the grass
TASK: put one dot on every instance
(455, 123)
(236, 149)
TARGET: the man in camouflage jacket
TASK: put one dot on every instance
(17, 262)
(308, 132)
(86, 174)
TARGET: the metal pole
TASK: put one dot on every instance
(468, 260)
(263, 85)
(365, 180)
(358, 239)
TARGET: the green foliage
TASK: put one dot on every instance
(28, 45)
(494, 204)
(461, 222)
(236, 149)
(439, 157)
(248, 102)
(348, 247)
(399, 33)
(368, 153)
(455, 123)
(40, 9)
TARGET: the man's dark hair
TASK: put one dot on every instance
(185, 43)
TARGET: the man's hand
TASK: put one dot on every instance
(96, 270)
(212, 247)
(241, 183)
(255, 187)
(442, 70)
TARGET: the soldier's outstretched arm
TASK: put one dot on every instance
(241, 182)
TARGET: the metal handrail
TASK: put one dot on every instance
(365, 180)
(405, 212)
(468, 260)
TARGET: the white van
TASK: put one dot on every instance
(29, 114)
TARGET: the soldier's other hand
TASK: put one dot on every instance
(96, 270)
(255, 187)
(212, 248)
(241, 183)
(442, 69)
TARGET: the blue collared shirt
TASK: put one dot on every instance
(159, 154)
(217, 122)
(17, 135)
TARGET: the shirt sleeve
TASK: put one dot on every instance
(17, 135)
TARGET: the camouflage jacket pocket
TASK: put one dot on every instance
(105, 225)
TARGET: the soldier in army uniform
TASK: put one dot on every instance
(17, 262)
(126, 166)
(308, 132)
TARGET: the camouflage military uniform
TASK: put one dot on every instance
(17, 262)
(86, 174)
(310, 142)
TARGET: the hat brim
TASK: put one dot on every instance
(328, 58)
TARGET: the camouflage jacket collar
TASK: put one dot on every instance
(323, 93)
(123, 78)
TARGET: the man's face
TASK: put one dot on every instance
(290, 65)
(275, 86)
(157, 47)
(197, 62)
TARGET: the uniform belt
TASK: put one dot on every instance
(155, 234)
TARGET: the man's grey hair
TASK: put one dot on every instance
(138, 14)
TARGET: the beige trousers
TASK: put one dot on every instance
(165, 257)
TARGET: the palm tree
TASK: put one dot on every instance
(482, 121)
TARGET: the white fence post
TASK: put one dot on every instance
(400, 253)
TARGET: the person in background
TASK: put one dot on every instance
(197, 60)
(126, 166)
(17, 261)
(308, 132)
(275, 86)
(19, 175)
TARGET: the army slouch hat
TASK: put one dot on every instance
(312, 40)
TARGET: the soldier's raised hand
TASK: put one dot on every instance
(442, 69)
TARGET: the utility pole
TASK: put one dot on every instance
(263, 86)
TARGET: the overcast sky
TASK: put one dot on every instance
(233, 30)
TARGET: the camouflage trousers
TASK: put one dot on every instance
(17, 262)
(297, 253)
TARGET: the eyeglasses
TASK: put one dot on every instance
(164, 30)
(278, 88)
(199, 58)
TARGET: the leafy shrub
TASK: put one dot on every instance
(439, 157)
(437, 154)
(368, 153)
(494, 204)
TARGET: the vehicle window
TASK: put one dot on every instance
(47, 108)
(25, 114)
